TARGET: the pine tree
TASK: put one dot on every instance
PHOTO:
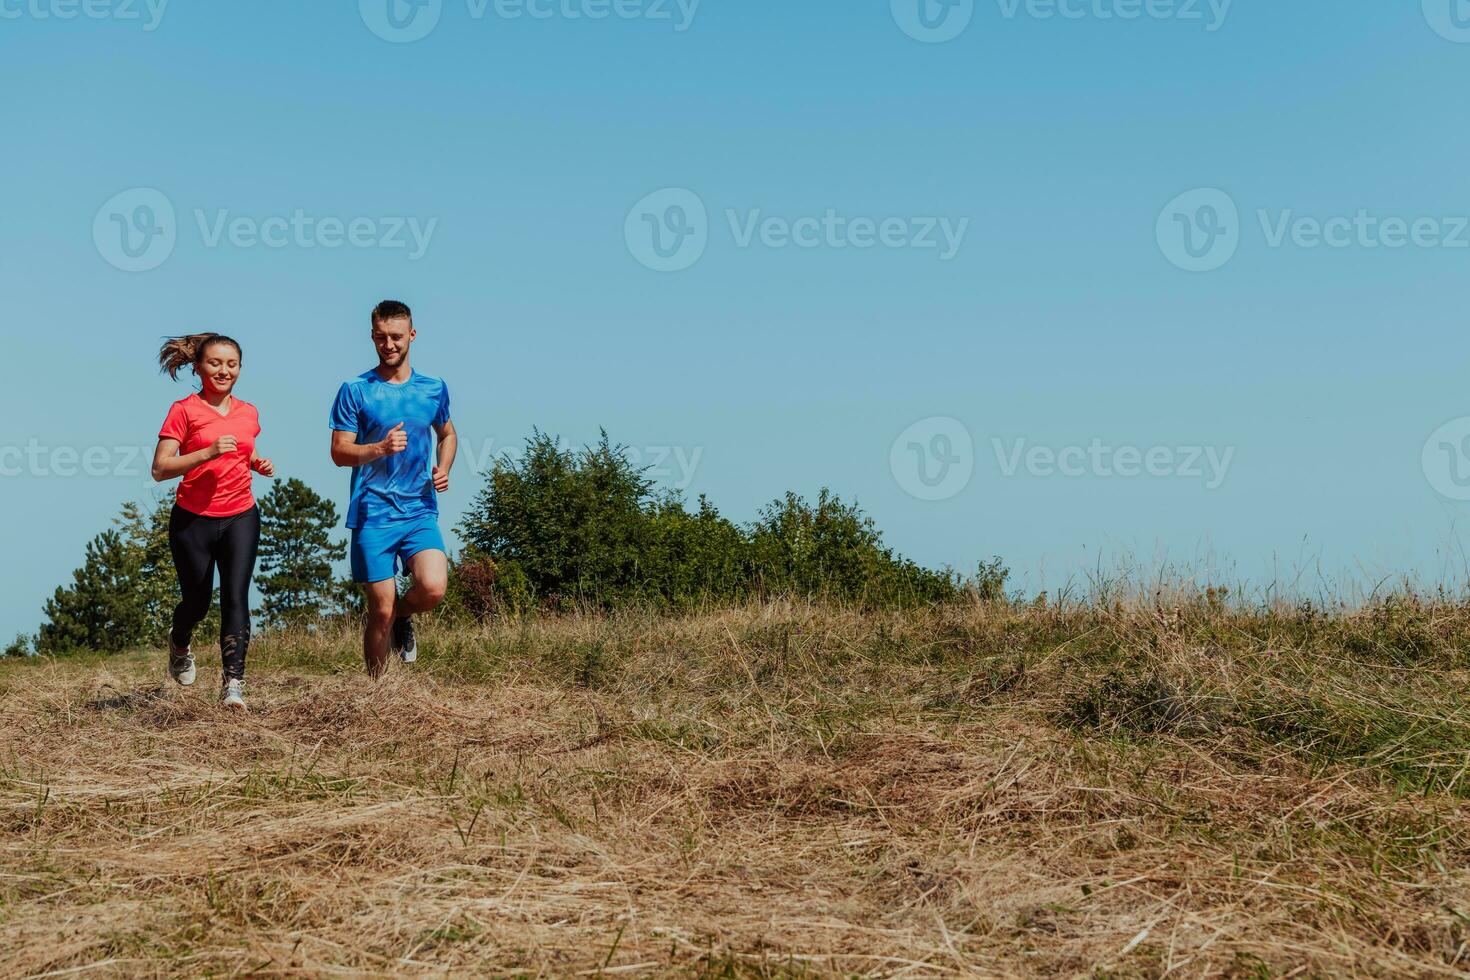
(296, 554)
(101, 609)
(123, 595)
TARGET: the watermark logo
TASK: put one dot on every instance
(40, 461)
(136, 230)
(406, 21)
(149, 13)
(306, 231)
(937, 21)
(1207, 464)
(401, 21)
(1446, 459)
(933, 459)
(668, 230)
(679, 13)
(674, 467)
(933, 21)
(1364, 229)
(1210, 13)
(1199, 231)
(1449, 18)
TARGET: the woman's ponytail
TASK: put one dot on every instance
(180, 352)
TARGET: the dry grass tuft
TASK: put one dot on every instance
(768, 791)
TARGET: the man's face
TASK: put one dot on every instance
(392, 339)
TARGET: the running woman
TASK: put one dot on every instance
(384, 422)
(209, 440)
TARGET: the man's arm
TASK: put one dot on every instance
(444, 457)
(347, 451)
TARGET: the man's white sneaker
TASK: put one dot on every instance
(180, 663)
(232, 695)
(403, 641)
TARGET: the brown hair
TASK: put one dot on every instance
(391, 309)
(179, 352)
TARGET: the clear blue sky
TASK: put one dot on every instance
(524, 144)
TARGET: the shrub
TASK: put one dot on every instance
(572, 522)
(562, 526)
(834, 551)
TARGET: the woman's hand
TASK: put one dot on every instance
(263, 466)
(223, 446)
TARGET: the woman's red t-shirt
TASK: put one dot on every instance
(219, 487)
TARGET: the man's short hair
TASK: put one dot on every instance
(391, 309)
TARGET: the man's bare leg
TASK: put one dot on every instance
(430, 571)
(381, 598)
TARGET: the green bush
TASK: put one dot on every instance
(561, 526)
(833, 550)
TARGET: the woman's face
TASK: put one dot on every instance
(218, 368)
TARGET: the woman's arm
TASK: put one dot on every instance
(261, 465)
(169, 465)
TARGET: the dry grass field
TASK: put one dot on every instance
(1145, 790)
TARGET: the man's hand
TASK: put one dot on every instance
(264, 467)
(441, 480)
(223, 446)
(395, 442)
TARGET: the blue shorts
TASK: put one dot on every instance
(378, 551)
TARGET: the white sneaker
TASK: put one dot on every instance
(232, 695)
(402, 641)
(180, 663)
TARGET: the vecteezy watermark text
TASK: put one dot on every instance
(669, 230)
(406, 21)
(1208, 464)
(934, 459)
(138, 229)
(1209, 13)
(671, 466)
(148, 13)
(303, 230)
(1364, 229)
(1201, 230)
(36, 459)
(937, 21)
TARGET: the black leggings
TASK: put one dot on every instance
(198, 545)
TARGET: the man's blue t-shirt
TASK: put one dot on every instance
(396, 487)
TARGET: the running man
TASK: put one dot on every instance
(209, 440)
(381, 425)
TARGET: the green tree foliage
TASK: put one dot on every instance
(569, 523)
(835, 550)
(296, 555)
(123, 594)
(559, 525)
